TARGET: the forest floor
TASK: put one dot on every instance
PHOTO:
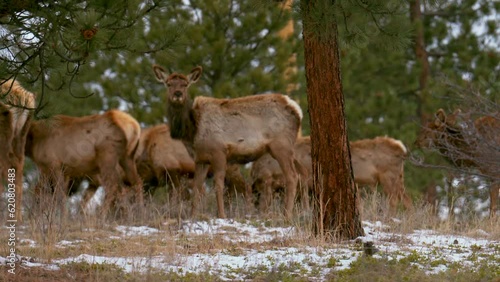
(409, 246)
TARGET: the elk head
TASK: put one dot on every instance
(177, 84)
(435, 130)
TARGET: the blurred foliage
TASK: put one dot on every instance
(49, 44)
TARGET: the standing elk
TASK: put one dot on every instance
(162, 159)
(267, 176)
(239, 130)
(380, 161)
(101, 147)
(16, 104)
(374, 161)
(467, 144)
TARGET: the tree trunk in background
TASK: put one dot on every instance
(285, 33)
(421, 58)
(336, 210)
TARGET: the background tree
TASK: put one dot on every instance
(381, 82)
(337, 212)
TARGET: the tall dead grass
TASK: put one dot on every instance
(48, 225)
(375, 207)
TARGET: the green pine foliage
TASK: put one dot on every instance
(49, 44)
(236, 44)
(380, 73)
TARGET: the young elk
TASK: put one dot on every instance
(380, 161)
(267, 176)
(374, 161)
(162, 159)
(239, 130)
(467, 143)
(16, 104)
(101, 146)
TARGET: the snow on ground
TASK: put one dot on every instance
(310, 261)
(136, 230)
(243, 231)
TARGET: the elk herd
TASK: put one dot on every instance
(207, 136)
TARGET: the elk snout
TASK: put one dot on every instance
(177, 94)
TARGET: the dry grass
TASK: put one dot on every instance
(375, 208)
(94, 235)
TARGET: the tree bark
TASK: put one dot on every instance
(336, 210)
(285, 33)
(421, 57)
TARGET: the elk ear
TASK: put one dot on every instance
(440, 117)
(452, 119)
(160, 73)
(195, 74)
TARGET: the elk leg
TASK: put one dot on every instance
(175, 185)
(401, 191)
(395, 191)
(129, 167)
(110, 192)
(19, 151)
(219, 167)
(304, 195)
(249, 198)
(60, 190)
(285, 158)
(200, 174)
(407, 202)
(108, 176)
(266, 190)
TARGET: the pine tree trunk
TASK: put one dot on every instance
(336, 212)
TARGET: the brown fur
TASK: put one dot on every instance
(6, 138)
(16, 105)
(96, 146)
(224, 131)
(380, 161)
(467, 144)
(160, 157)
(20, 102)
(374, 161)
(267, 177)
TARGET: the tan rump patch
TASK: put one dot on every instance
(295, 106)
(129, 126)
(395, 142)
